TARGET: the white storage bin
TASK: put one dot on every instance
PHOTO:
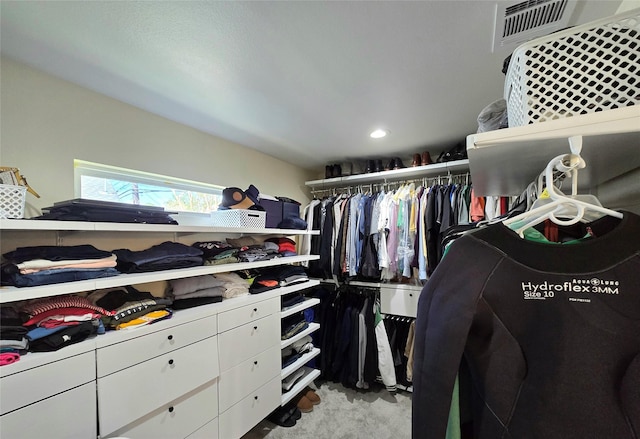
(584, 69)
(248, 219)
(12, 200)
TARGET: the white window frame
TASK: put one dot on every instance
(84, 168)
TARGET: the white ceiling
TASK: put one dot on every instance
(300, 80)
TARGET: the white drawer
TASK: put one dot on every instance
(238, 382)
(132, 393)
(179, 418)
(240, 344)
(128, 353)
(399, 300)
(32, 385)
(243, 416)
(209, 431)
(68, 415)
(236, 317)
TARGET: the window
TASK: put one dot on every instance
(109, 183)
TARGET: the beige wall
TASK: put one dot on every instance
(46, 123)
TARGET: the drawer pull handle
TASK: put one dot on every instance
(255, 362)
(170, 337)
(255, 309)
(410, 294)
(170, 361)
(255, 328)
(170, 409)
(255, 397)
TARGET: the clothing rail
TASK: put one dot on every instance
(449, 178)
(396, 318)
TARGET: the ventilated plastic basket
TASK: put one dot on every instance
(584, 69)
(12, 199)
(248, 219)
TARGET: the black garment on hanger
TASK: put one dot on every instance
(327, 233)
(544, 329)
(432, 221)
(369, 268)
(340, 241)
(316, 240)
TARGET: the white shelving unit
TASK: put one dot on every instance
(313, 327)
(32, 225)
(308, 303)
(300, 362)
(200, 324)
(504, 162)
(434, 170)
(12, 294)
(309, 375)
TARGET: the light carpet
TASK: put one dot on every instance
(347, 414)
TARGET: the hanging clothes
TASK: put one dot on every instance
(355, 349)
(390, 235)
(544, 337)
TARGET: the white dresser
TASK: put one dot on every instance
(50, 395)
(161, 383)
(208, 372)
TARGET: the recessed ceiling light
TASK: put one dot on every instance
(378, 134)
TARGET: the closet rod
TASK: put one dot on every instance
(464, 178)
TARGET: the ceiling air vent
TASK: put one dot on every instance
(518, 22)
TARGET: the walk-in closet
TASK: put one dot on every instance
(328, 219)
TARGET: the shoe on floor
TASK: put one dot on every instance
(297, 414)
(282, 416)
(312, 396)
(304, 404)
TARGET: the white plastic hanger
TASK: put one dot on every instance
(573, 208)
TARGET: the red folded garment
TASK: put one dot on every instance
(46, 315)
(8, 358)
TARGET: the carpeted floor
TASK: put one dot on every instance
(347, 414)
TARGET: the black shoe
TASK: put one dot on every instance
(398, 163)
(296, 415)
(370, 167)
(328, 171)
(391, 165)
(337, 171)
(379, 167)
(282, 417)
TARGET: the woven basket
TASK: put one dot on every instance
(12, 200)
(588, 68)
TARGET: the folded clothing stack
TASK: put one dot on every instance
(292, 325)
(165, 256)
(286, 246)
(292, 379)
(195, 291)
(275, 277)
(217, 252)
(12, 335)
(251, 250)
(292, 353)
(129, 307)
(44, 265)
(56, 322)
(234, 285)
(291, 300)
(80, 209)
